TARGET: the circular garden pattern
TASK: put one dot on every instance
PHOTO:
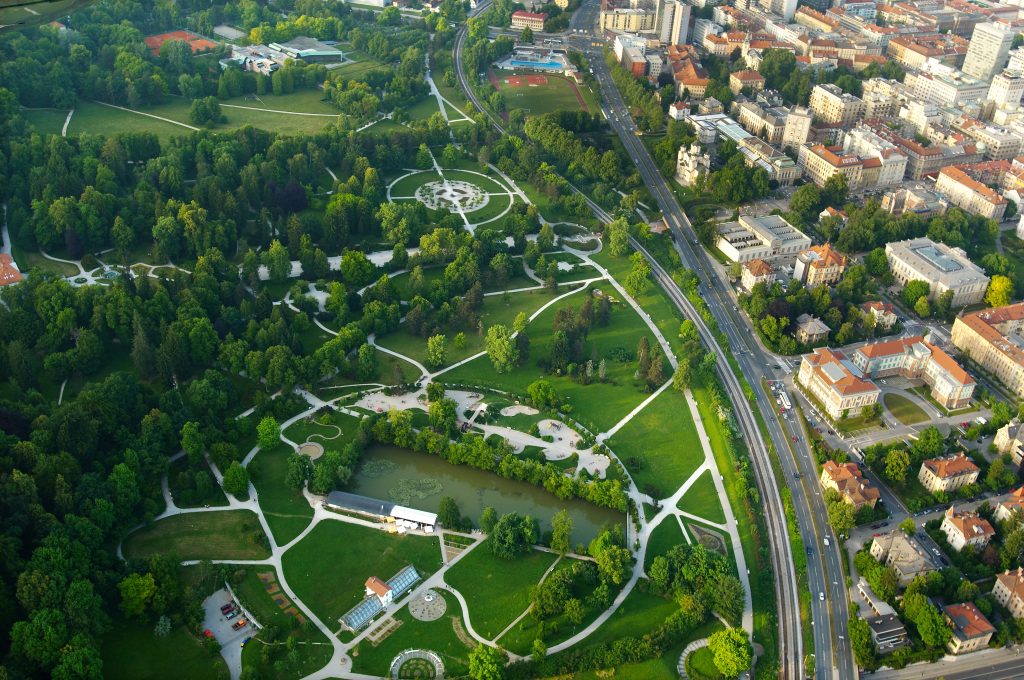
(416, 664)
(428, 606)
(477, 198)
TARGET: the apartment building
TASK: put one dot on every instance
(810, 330)
(915, 358)
(903, 553)
(992, 339)
(947, 474)
(1000, 143)
(798, 127)
(747, 78)
(966, 192)
(766, 238)
(1007, 89)
(831, 378)
(989, 49)
(622, 19)
(1009, 591)
(944, 86)
(767, 123)
(847, 480)
(942, 267)
(759, 153)
(914, 51)
(819, 266)
(964, 529)
(867, 144)
(832, 105)
(883, 168)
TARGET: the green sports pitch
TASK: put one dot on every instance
(538, 93)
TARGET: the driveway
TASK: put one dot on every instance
(230, 640)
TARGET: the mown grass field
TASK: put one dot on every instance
(287, 511)
(557, 95)
(701, 499)
(659, 446)
(225, 535)
(46, 121)
(903, 409)
(130, 651)
(497, 590)
(327, 568)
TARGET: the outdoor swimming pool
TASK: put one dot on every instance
(546, 65)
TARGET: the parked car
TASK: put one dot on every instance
(231, 614)
(240, 623)
(246, 640)
(228, 607)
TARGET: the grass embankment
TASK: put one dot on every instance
(130, 651)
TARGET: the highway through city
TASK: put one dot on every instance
(826, 579)
(829, 614)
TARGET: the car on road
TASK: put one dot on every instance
(821, 596)
(826, 542)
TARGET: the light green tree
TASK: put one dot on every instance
(437, 350)
(500, 348)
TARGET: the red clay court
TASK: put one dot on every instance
(197, 42)
(526, 81)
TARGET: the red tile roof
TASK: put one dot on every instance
(377, 587)
(968, 620)
(951, 466)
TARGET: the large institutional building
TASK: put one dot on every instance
(761, 238)
(992, 339)
(989, 50)
(942, 267)
(835, 382)
(917, 359)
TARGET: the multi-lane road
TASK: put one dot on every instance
(826, 580)
(829, 610)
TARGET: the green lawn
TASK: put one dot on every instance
(328, 567)
(130, 651)
(599, 405)
(701, 663)
(557, 95)
(665, 536)
(184, 489)
(323, 429)
(46, 121)
(496, 310)
(99, 119)
(903, 409)
(497, 590)
(407, 186)
(226, 535)
(287, 511)
(663, 313)
(639, 613)
(423, 109)
(701, 499)
(438, 636)
(659, 446)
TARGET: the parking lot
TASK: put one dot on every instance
(222, 628)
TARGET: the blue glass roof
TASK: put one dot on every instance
(362, 613)
(403, 580)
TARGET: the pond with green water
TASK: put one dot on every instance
(419, 480)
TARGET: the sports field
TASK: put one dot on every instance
(538, 93)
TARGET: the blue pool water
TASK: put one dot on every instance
(549, 65)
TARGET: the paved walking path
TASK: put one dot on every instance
(150, 115)
(67, 121)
